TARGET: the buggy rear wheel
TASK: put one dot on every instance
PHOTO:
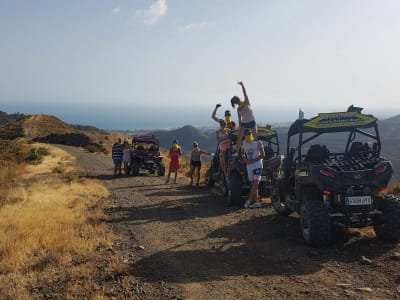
(135, 169)
(314, 223)
(161, 170)
(389, 230)
(276, 199)
(235, 189)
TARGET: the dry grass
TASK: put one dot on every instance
(184, 171)
(47, 223)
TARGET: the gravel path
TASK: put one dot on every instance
(186, 243)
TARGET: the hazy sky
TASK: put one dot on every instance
(129, 56)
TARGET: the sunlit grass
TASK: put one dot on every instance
(46, 222)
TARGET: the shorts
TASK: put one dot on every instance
(195, 164)
(224, 147)
(249, 125)
(117, 161)
(254, 172)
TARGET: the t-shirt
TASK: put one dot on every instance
(252, 150)
(117, 151)
(196, 155)
(246, 114)
(127, 153)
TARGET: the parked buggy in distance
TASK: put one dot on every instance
(237, 185)
(339, 184)
(146, 155)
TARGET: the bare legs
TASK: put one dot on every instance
(194, 171)
(169, 175)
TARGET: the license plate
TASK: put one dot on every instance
(149, 161)
(358, 200)
(263, 178)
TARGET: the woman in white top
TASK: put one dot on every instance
(224, 143)
(126, 157)
(254, 154)
(245, 116)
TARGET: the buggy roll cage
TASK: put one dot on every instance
(145, 139)
(352, 122)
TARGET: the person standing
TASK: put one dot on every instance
(228, 118)
(223, 135)
(174, 154)
(195, 162)
(254, 155)
(245, 116)
(126, 157)
(116, 154)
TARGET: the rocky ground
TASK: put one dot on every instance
(186, 243)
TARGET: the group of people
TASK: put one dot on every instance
(121, 155)
(248, 148)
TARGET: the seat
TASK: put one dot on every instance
(317, 153)
(140, 147)
(153, 148)
(269, 152)
(358, 149)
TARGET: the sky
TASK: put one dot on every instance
(150, 63)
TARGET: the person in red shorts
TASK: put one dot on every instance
(174, 154)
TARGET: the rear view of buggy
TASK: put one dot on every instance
(340, 185)
(146, 155)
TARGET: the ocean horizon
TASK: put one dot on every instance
(164, 118)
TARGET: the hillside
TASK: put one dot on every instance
(49, 129)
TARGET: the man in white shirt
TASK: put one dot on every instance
(254, 154)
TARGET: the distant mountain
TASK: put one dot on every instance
(84, 127)
(6, 118)
(388, 129)
(186, 135)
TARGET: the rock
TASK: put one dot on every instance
(365, 289)
(395, 256)
(344, 285)
(140, 247)
(365, 261)
(349, 293)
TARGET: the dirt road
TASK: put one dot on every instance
(186, 243)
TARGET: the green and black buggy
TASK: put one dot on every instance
(333, 175)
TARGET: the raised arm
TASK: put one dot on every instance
(246, 99)
(213, 116)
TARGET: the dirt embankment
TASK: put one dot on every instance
(185, 243)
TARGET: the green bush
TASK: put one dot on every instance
(35, 155)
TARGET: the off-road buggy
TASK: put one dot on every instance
(339, 185)
(237, 185)
(146, 155)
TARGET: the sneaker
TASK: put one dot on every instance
(175, 182)
(247, 204)
(255, 205)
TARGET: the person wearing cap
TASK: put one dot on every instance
(254, 154)
(174, 154)
(228, 118)
(195, 162)
(223, 135)
(245, 116)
